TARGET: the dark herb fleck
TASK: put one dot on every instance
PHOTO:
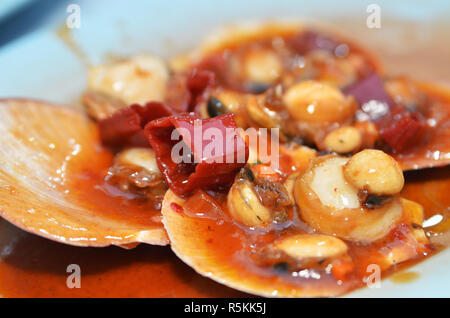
(375, 201)
(257, 88)
(215, 107)
(249, 174)
(281, 268)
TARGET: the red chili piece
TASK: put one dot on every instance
(125, 127)
(403, 130)
(186, 92)
(209, 154)
(399, 127)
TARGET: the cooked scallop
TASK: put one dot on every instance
(51, 168)
(332, 205)
(374, 171)
(140, 79)
(219, 249)
(199, 242)
(262, 66)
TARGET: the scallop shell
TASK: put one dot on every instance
(189, 240)
(42, 148)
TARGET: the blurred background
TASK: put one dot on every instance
(413, 36)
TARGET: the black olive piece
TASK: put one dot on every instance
(281, 268)
(257, 88)
(375, 201)
(215, 107)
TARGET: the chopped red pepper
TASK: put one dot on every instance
(212, 151)
(179, 96)
(403, 130)
(199, 84)
(398, 127)
(176, 207)
(215, 63)
(125, 127)
(188, 91)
